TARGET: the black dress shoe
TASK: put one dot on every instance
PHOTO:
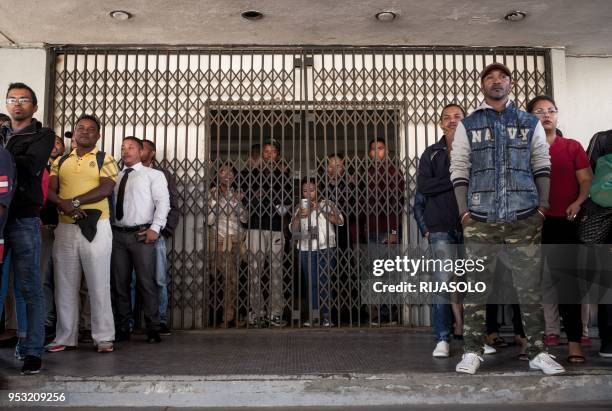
(153, 337)
(122, 336)
(164, 330)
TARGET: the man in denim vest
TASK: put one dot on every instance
(500, 169)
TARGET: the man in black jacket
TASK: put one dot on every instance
(30, 144)
(268, 193)
(441, 217)
(148, 160)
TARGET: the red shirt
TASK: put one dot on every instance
(566, 156)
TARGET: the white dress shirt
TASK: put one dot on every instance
(146, 199)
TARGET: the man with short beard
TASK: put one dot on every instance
(500, 168)
(30, 144)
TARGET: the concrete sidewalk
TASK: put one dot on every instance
(268, 368)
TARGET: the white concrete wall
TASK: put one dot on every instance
(587, 105)
(26, 66)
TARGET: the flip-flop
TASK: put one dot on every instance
(523, 357)
(576, 359)
(499, 342)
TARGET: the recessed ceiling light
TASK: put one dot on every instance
(515, 15)
(120, 15)
(385, 16)
(251, 15)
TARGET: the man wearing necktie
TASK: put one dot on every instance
(142, 203)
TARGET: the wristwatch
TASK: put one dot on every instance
(76, 203)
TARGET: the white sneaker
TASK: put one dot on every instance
(544, 362)
(469, 363)
(442, 350)
(489, 350)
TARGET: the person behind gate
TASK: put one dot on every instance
(142, 203)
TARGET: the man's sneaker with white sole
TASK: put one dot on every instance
(545, 363)
(469, 363)
(442, 350)
(488, 350)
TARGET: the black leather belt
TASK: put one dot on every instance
(131, 229)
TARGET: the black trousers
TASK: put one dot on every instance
(493, 325)
(129, 254)
(604, 322)
(563, 269)
(604, 311)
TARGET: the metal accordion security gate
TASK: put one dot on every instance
(244, 130)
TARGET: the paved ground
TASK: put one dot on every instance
(587, 406)
(377, 368)
(280, 352)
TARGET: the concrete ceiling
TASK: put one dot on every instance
(582, 27)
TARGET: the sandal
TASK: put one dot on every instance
(576, 359)
(499, 342)
(523, 357)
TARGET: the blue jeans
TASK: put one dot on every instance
(20, 307)
(319, 265)
(22, 239)
(161, 278)
(443, 245)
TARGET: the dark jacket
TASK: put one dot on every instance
(344, 195)
(267, 192)
(7, 189)
(434, 182)
(30, 147)
(418, 208)
(174, 213)
(600, 145)
(385, 198)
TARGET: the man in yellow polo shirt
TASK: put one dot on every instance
(80, 186)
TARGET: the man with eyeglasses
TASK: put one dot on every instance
(500, 169)
(30, 144)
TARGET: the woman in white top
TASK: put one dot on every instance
(314, 223)
(225, 215)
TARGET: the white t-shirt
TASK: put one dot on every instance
(316, 232)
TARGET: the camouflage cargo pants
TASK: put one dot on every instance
(523, 264)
